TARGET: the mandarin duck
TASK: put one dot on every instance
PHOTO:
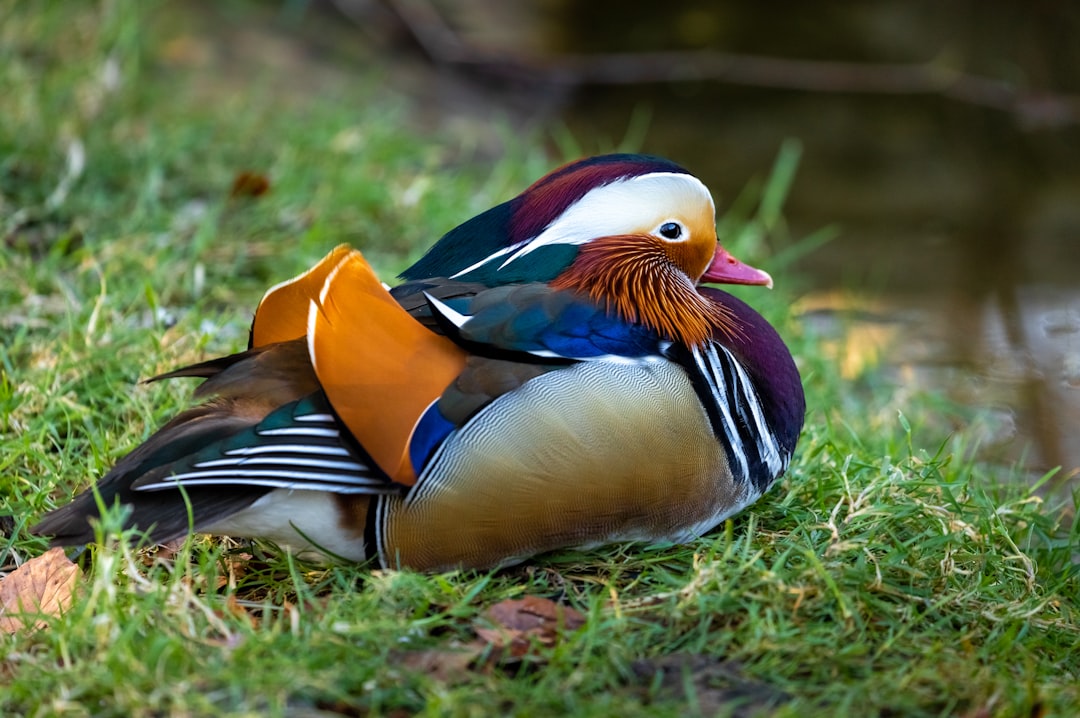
(549, 375)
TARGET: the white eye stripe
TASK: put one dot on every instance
(618, 207)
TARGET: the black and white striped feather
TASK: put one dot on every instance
(755, 454)
(297, 447)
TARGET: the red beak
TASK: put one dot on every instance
(725, 269)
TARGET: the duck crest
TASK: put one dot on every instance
(551, 195)
(477, 250)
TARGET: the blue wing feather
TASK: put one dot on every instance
(430, 432)
(535, 319)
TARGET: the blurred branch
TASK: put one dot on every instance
(1032, 108)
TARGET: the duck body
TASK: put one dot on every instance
(550, 375)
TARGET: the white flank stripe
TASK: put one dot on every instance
(287, 460)
(609, 358)
(301, 431)
(335, 488)
(238, 476)
(319, 449)
(380, 533)
(743, 398)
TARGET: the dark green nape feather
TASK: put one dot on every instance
(481, 237)
(465, 245)
(540, 265)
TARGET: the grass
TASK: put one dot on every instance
(886, 574)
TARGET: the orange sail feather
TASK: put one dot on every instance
(380, 368)
(283, 312)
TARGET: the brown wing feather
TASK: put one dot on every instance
(246, 387)
(163, 513)
(482, 381)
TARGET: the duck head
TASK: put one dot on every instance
(635, 233)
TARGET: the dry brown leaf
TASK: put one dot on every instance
(519, 623)
(249, 184)
(44, 585)
(535, 613)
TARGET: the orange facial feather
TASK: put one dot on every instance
(636, 277)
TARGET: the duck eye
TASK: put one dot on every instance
(670, 230)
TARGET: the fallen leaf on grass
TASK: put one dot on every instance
(522, 623)
(249, 184)
(516, 628)
(43, 586)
